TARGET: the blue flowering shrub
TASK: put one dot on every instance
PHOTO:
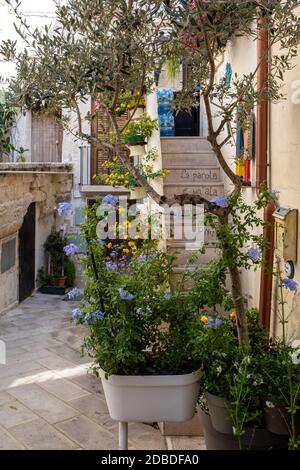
(137, 321)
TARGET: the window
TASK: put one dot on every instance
(8, 255)
(46, 138)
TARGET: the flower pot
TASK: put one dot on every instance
(138, 139)
(137, 150)
(277, 418)
(253, 438)
(138, 193)
(61, 281)
(152, 398)
(219, 410)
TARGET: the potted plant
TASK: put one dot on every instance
(138, 130)
(118, 175)
(139, 332)
(60, 271)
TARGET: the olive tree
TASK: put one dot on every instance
(101, 48)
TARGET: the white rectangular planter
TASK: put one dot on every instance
(151, 398)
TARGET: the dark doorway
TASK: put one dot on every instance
(27, 254)
(187, 123)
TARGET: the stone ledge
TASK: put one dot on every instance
(32, 167)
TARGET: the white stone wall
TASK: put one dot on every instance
(284, 158)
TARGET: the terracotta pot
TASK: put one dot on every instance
(253, 438)
(61, 281)
(151, 398)
(219, 410)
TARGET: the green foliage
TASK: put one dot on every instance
(7, 122)
(118, 175)
(142, 127)
(150, 332)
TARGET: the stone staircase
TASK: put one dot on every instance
(193, 169)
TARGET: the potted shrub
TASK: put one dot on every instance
(118, 175)
(139, 332)
(60, 272)
(138, 130)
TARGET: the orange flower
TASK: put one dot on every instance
(131, 244)
(232, 316)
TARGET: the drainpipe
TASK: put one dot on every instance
(266, 279)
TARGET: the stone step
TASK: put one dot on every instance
(208, 191)
(184, 144)
(209, 235)
(189, 160)
(193, 175)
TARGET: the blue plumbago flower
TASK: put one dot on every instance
(167, 295)
(254, 254)
(143, 258)
(72, 294)
(113, 254)
(139, 310)
(86, 320)
(98, 315)
(213, 322)
(125, 295)
(63, 208)
(111, 266)
(101, 242)
(148, 309)
(76, 314)
(89, 347)
(275, 193)
(290, 284)
(71, 249)
(110, 200)
(220, 201)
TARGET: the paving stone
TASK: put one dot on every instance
(145, 437)
(39, 435)
(88, 434)
(43, 403)
(70, 354)
(5, 398)
(63, 389)
(21, 368)
(94, 407)
(14, 413)
(8, 442)
(89, 382)
(185, 443)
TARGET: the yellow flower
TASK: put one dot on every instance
(232, 316)
(126, 181)
(109, 245)
(131, 244)
(121, 210)
(204, 319)
(125, 250)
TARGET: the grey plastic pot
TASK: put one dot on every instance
(276, 418)
(219, 410)
(152, 398)
(253, 438)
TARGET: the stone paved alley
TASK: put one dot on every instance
(47, 399)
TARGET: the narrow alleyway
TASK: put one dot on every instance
(47, 399)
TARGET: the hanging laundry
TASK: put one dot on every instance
(239, 154)
(165, 112)
(228, 75)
